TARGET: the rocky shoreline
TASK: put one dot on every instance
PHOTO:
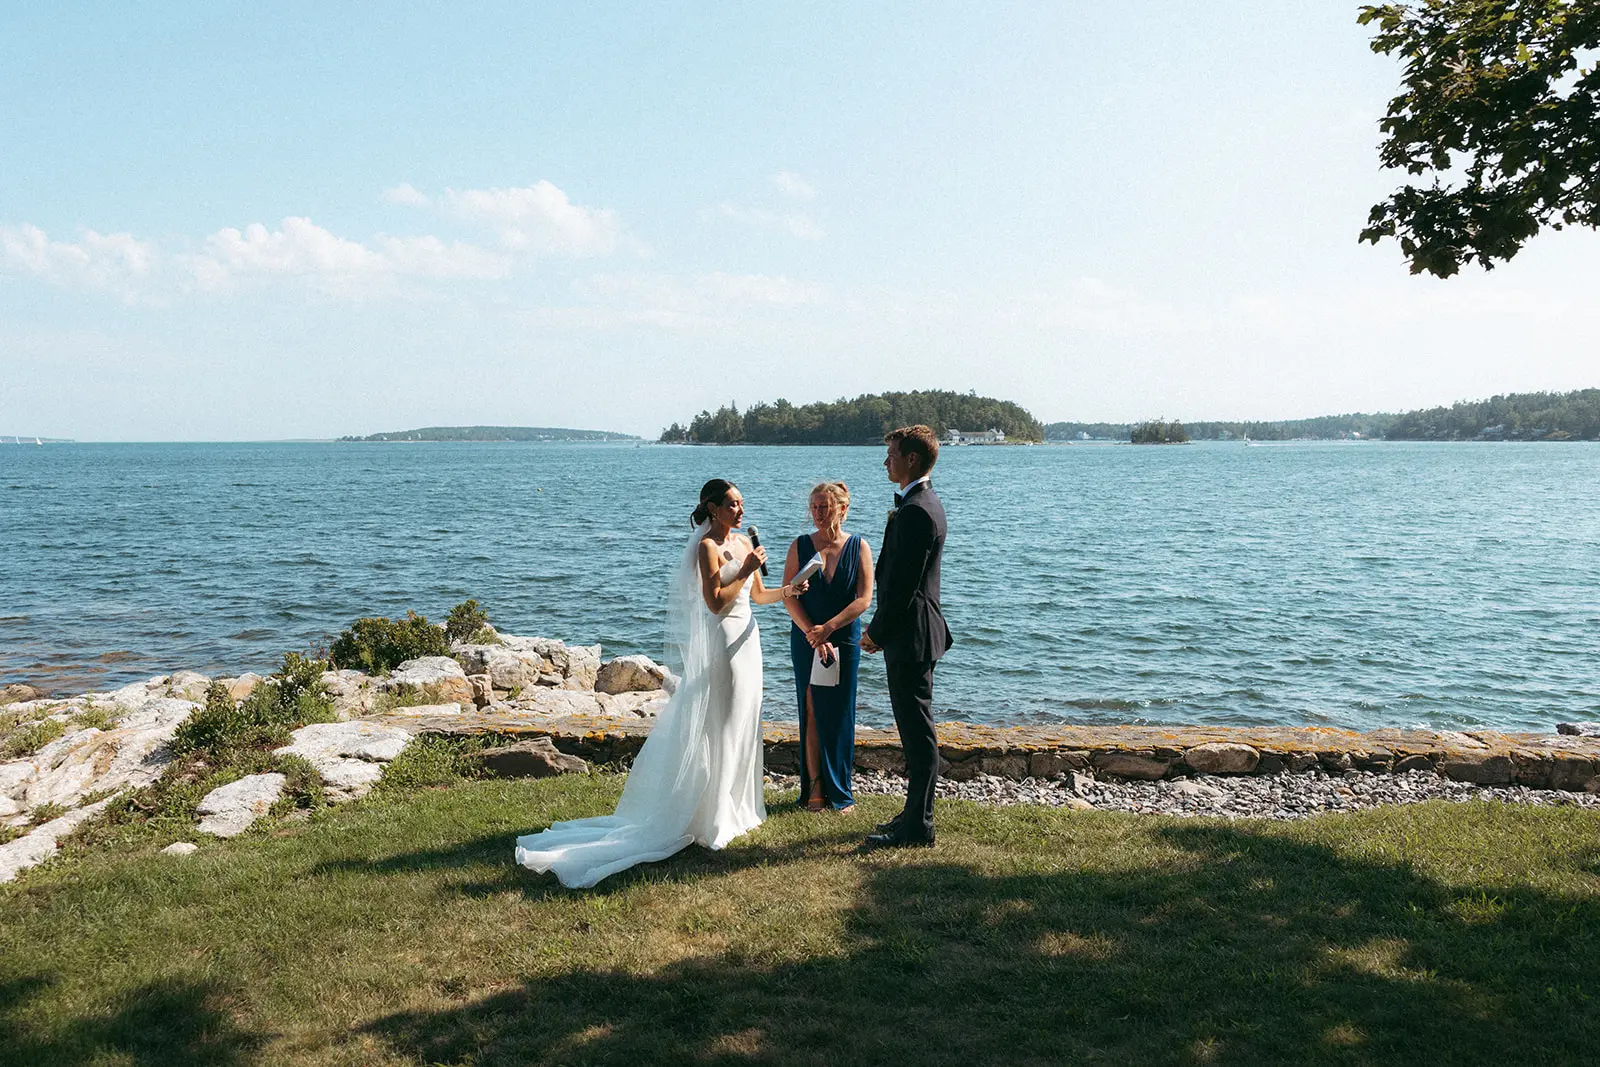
(539, 706)
(1291, 795)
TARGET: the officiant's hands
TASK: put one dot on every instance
(817, 636)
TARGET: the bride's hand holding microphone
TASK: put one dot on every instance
(757, 560)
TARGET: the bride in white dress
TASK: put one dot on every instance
(698, 777)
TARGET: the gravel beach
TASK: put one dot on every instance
(1277, 796)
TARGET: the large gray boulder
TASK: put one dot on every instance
(241, 687)
(524, 662)
(574, 665)
(1222, 757)
(632, 705)
(505, 668)
(538, 758)
(560, 703)
(630, 674)
(17, 692)
(131, 754)
(350, 756)
(134, 694)
(230, 810)
(439, 677)
(352, 693)
(188, 685)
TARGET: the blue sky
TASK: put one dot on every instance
(307, 220)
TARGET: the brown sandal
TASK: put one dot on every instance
(815, 802)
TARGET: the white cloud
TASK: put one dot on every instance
(407, 194)
(117, 263)
(301, 248)
(793, 224)
(537, 218)
(791, 184)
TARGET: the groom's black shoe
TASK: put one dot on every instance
(889, 827)
(896, 838)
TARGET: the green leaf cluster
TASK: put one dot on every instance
(862, 420)
(377, 645)
(465, 620)
(29, 737)
(292, 697)
(1497, 111)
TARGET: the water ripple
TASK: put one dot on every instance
(1363, 586)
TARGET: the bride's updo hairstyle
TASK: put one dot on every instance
(837, 492)
(713, 492)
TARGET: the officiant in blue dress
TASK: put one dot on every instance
(827, 621)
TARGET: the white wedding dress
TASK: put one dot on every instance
(698, 778)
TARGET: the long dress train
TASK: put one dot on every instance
(698, 778)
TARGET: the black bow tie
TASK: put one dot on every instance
(898, 500)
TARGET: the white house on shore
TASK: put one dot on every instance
(991, 436)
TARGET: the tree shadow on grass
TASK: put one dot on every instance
(493, 853)
(1242, 947)
(163, 1023)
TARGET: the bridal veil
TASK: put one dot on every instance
(670, 775)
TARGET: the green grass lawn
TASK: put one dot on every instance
(397, 931)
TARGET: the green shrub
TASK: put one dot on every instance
(378, 645)
(30, 737)
(302, 787)
(8, 833)
(46, 812)
(485, 636)
(98, 718)
(465, 620)
(292, 697)
(434, 759)
(406, 696)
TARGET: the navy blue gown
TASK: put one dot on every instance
(833, 706)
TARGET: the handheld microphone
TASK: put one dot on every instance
(755, 542)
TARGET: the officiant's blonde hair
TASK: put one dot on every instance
(837, 492)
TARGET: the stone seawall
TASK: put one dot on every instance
(1144, 753)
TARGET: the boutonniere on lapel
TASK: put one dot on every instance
(892, 513)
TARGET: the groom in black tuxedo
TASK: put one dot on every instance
(908, 626)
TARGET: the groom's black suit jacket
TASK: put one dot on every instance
(908, 623)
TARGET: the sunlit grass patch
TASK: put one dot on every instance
(397, 930)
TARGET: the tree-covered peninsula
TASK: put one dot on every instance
(1573, 416)
(495, 433)
(863, 420)
(1321, 428)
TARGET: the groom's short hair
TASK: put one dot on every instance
(919, 441)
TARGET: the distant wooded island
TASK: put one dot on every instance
(863, 420)
(1573, 416)
(495, 433)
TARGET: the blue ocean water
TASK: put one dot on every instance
(1359, 585)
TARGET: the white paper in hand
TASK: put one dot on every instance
(812, 568)
(824, 675)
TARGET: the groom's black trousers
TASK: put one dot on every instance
(911, 696)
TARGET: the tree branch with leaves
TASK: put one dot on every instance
(1498, 109)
